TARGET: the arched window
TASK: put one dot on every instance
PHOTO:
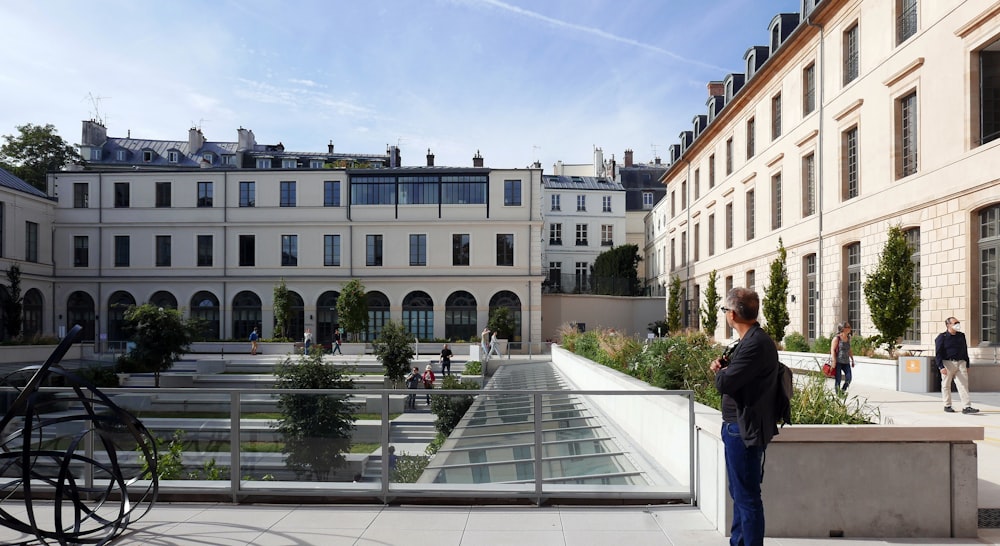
(378, 314)
(418, 315)
(118, 303)
(326, 317)
(460, 316)
(246, 314)
(989, 274)
(295, 328)
(508, 299)
(205, 307)
(164, 299)
(80, 310)
(31, 324)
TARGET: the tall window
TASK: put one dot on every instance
(697, 242)
(808, 185)
(849, 170)
(751, 137)
(81, 195)
(684, 195)
(906, 108)
(989, 93)
(512, 193)
(751, 279)
(851, 56)
(373, 250)
(776, 116)
(289, 250)
(606, 203)
(248, 252)
(729, 226)
(729, 155)
(163, 194)
(906, 19)
(607, 235)
(684, 248)
(555, 276)
(647, 200)
(711, 235)
(810, 296)
(989, 275)
(697, 184)
(673, 204)
(248, 194)
(122, 251)
(287, 194)
(751, 215)
(913, 240)
(331, 250)
(460, 249)
(555, 234)
(581, 277)
(418, 249)
(554, 199)
(204, 251)
(121, 195)
(163, 251)
(418, 315)
(331, 193)
(729, 286)
(581, 235)
(853, 298)
(808, 89)
(673, 254)
(776, 201)
(711, 171)
(581, 203)
(81, 251)
(505, 249)
(205, 194)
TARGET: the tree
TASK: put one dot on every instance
(710, 310)
(352, 307)
(674, 305)
(281, 308)
(316, 428)
(36, 151)
(14, 303)
(161, 336)
(615, 271)
(394, 351)
(891, 290)
(450, 409)
(776, 297)
(502, 322)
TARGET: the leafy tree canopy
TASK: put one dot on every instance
(35, 151)
(352, 307)
(281, 305)
(776, 296)
(502, 322)
(891, 290)
(615, 271)
(394, 351)
(161, 336)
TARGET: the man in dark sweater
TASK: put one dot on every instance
(951, 352)
(748, 380)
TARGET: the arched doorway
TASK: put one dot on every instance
(246, 314)
(118, 303)
(80, 310)
(418, 315)
(205, 307)
(508, 299)
(31, 311)
(326, 316)
(164, 299)
(460, 316)
(378, 314)
(295, 328)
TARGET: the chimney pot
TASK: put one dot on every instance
(329, 147)
(628, 158)
(477, 160)
(716, 89)
(430, 158)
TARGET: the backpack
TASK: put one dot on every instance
(783, 395)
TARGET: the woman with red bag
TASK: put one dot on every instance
(842, 356)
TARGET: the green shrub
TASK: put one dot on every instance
(821, 345)
(816, 404)
(796, 343)
(864, 346)
(473, 367)
(409, 468)
(450, 409)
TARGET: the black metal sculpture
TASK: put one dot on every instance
(70, 457)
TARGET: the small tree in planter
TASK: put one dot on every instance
(394, 351)
(13, 303)
(710, 311)
(281, 304)
(776, 296)
(502, 323)
(891, 290)
(352, 307)
(161, 336)
(674, 305)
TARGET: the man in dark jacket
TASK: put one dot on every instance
(748, 380)
(951, 354)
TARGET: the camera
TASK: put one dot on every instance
(724, 359)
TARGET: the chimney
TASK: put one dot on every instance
(94, 134)
(656, 161)
(628, 158)
(245, 140)
(430, 158)
(716, 89)
(477, 160)
(195, 140)
(329, 147)
(395, 158)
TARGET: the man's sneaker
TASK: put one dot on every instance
(970, 409)
(948, 409)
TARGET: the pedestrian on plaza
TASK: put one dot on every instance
(412, 382)
(336, 342)
(307, 341)
(485, 338)
(494, 345)
(747, 377)
(446, 360)
(428, 379)
(842, 355)
(254, 338)
(951, 352)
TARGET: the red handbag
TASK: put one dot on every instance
(829, 370)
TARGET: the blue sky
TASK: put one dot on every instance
(520, 81)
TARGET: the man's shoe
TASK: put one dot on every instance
(970, 409)
(948, 409)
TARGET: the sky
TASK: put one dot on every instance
(520, 81)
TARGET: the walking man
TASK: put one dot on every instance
(254, 337)
(748, 380)
(951, 352)
(336, 343)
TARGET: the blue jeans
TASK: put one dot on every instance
(845, 370)
(743, 468)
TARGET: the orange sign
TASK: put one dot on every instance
(912, 365)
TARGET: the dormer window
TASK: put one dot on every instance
(228, 159)
(289, 164)
(122, 155)
(263, 163)
(95, 154)
(775, 37)
(208, 157)
(750, 66)
(173, 156)
(147, 156)
(315, 163)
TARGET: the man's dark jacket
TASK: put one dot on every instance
(749, 386)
